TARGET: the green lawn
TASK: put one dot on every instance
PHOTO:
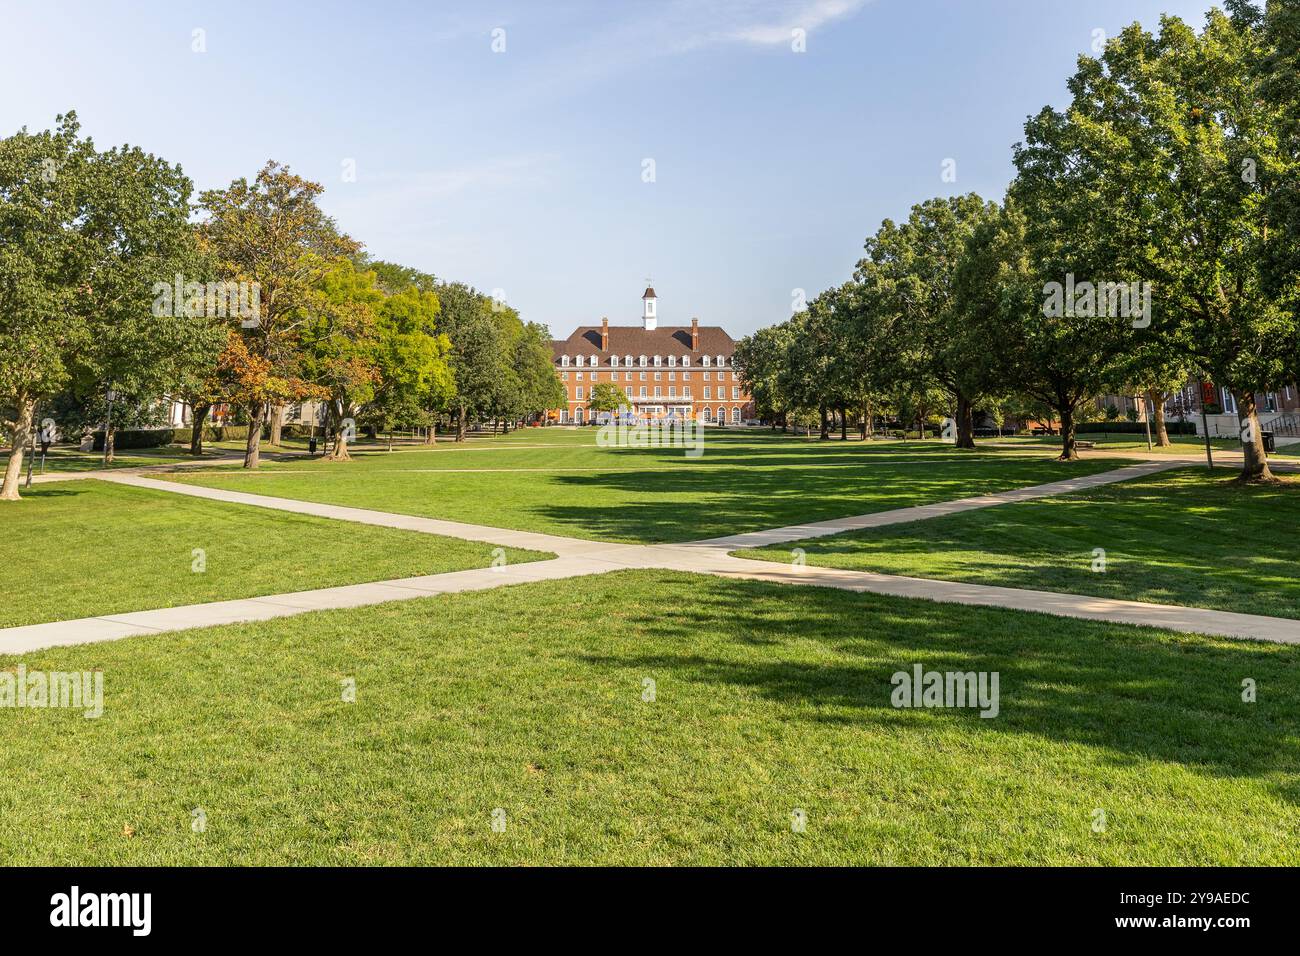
(1181, 444)
(85, 548)
(558, 481)
(69, 459)
(767, 699)
(1182, 537)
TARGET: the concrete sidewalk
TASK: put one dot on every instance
(759, 539)
(578, 557)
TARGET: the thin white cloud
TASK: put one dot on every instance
(805, 16)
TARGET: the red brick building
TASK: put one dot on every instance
(682, 370)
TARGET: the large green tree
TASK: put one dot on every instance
(271, 232)
(1161, 170)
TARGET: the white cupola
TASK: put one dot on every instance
(648, 315)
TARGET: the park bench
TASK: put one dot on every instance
(1084, 444)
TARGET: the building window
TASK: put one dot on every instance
(708, 414)
(613, 361)
(564, 416)
(657, 375)
(564, 376)
(722, 415)
(578, 375)
(735, 416)
(642, 374)
(627, 360)
(686, 376)
(686, 361)
(659, 391)
(579, 361)
(708, 391)
(643, 363)
(643, 391)
(659, 360)
(628, 390)
(1229, 403)
(595, 360)
(672, 361)
(705, 361)
(686, 391)
(722, 360)
(672, 391)
(564, 361)
(578, 393)
(708, 376)
(627, 376)
(577, 416)
(735, 394)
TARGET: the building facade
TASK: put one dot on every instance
(682, 371)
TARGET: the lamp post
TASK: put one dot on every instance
(108, 421)
(1146, 414)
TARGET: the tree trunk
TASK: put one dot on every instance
(110, 443)
(965, 422)
(277, 424)
(460, 423)
(253, 449)
(1068, 450)
(1157, 400)
(431, 434)
(200, 415)
(1255, 467)
(844, 424)
(26, 410)
(826, 428)
(864, 423)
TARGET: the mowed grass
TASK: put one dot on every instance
(87, 548)
(1179, 444)
(1188, 537)
(535, 701)
(558, 481)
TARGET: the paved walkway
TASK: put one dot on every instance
(758, 539)
(578, 557)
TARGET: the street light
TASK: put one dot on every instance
(108, 421)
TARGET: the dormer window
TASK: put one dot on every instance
(672, 361)
(579, 361)
(643, 361)
(564, 361)
(686, 361)
(595, 360)
(706, 361)
(659, 360)
(613, 361)
(627, 360)
(722, 360)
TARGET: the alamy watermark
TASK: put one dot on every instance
(1112, 300)
(626, 430)
(951, 689)
(73, 690)
(213, 300)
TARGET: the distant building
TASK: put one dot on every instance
(669, 370)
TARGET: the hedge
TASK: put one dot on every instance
(136, 438)
(1132, 428)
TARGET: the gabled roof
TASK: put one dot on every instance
(637, 341)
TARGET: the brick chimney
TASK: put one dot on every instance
(695, 334)
(604, 333)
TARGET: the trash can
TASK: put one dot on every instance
(311, 446)
(1268, 441)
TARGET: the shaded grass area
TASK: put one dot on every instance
(560, 482)
(86, 548)
(766, 699)
(1187, 537)
(1180, 444)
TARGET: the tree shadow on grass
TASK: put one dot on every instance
(1136, 695)
(1166, 540)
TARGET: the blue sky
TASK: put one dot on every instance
(522, 170)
